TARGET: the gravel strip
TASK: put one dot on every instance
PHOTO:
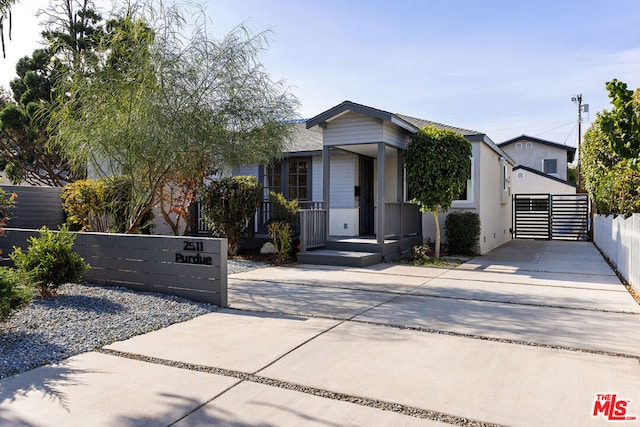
(83, 317)
(358, 400)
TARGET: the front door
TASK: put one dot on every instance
(366, 196)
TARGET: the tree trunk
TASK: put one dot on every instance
(435, 218)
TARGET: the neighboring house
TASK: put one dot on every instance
(544, 156)
(530, 181)
(350, 159)
(543, 165)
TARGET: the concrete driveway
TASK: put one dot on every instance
(527, 335)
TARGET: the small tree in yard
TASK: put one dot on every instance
(228, 204)
(438, 165)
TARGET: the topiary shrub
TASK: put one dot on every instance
(463, 233)
(50, 260)
(15, 291)
(228, 205)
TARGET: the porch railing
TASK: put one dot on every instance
(313, 231)
(401, 219)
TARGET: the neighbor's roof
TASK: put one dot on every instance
(570, 150)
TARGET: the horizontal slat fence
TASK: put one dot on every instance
(36, 206)
(190, 267)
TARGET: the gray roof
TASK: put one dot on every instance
(305, 140)
(571, 151)
(422, 123)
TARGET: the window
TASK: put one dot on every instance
(529, 146)
(550, 166)
(518, 145)
(291, 177)
(274, 178)
(298, 179)
(466, 195)
(520, 175)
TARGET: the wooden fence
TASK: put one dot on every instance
(190, 267)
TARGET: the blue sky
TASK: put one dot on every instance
(505, 68)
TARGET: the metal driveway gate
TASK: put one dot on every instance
(551, 216)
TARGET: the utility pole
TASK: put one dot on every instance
(578, 100)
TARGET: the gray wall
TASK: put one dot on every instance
(190, 267)
(36, 206)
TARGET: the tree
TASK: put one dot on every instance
(612, 183)
(229, 204)
(438, 166)
(621, 125)
(5, 13)
(72, 33)
(164, 106)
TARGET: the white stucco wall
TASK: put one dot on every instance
(494, 208)
(524, 182)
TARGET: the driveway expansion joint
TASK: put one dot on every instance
(443, 332)
(327, 394)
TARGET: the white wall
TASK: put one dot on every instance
(494, 209)
(523, 182)
(343, 222)
(619, 239)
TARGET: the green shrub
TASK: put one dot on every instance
(463, 233)
(85, 206)
(282, 236)
(7, 202)
(228, 205)
(15, 291)
(283, 209)
(50, 260)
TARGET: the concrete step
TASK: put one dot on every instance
(337, 257)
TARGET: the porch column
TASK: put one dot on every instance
(380, 207)
(400, 171)
(326, 186)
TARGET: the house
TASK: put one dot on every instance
(542, 165)
(346, 169)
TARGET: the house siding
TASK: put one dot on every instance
(352, 128)
(316, 178)
(246, 170)
(343, 180)
(394, 135)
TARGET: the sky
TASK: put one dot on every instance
(501, 67)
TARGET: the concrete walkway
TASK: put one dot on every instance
(525, 336)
